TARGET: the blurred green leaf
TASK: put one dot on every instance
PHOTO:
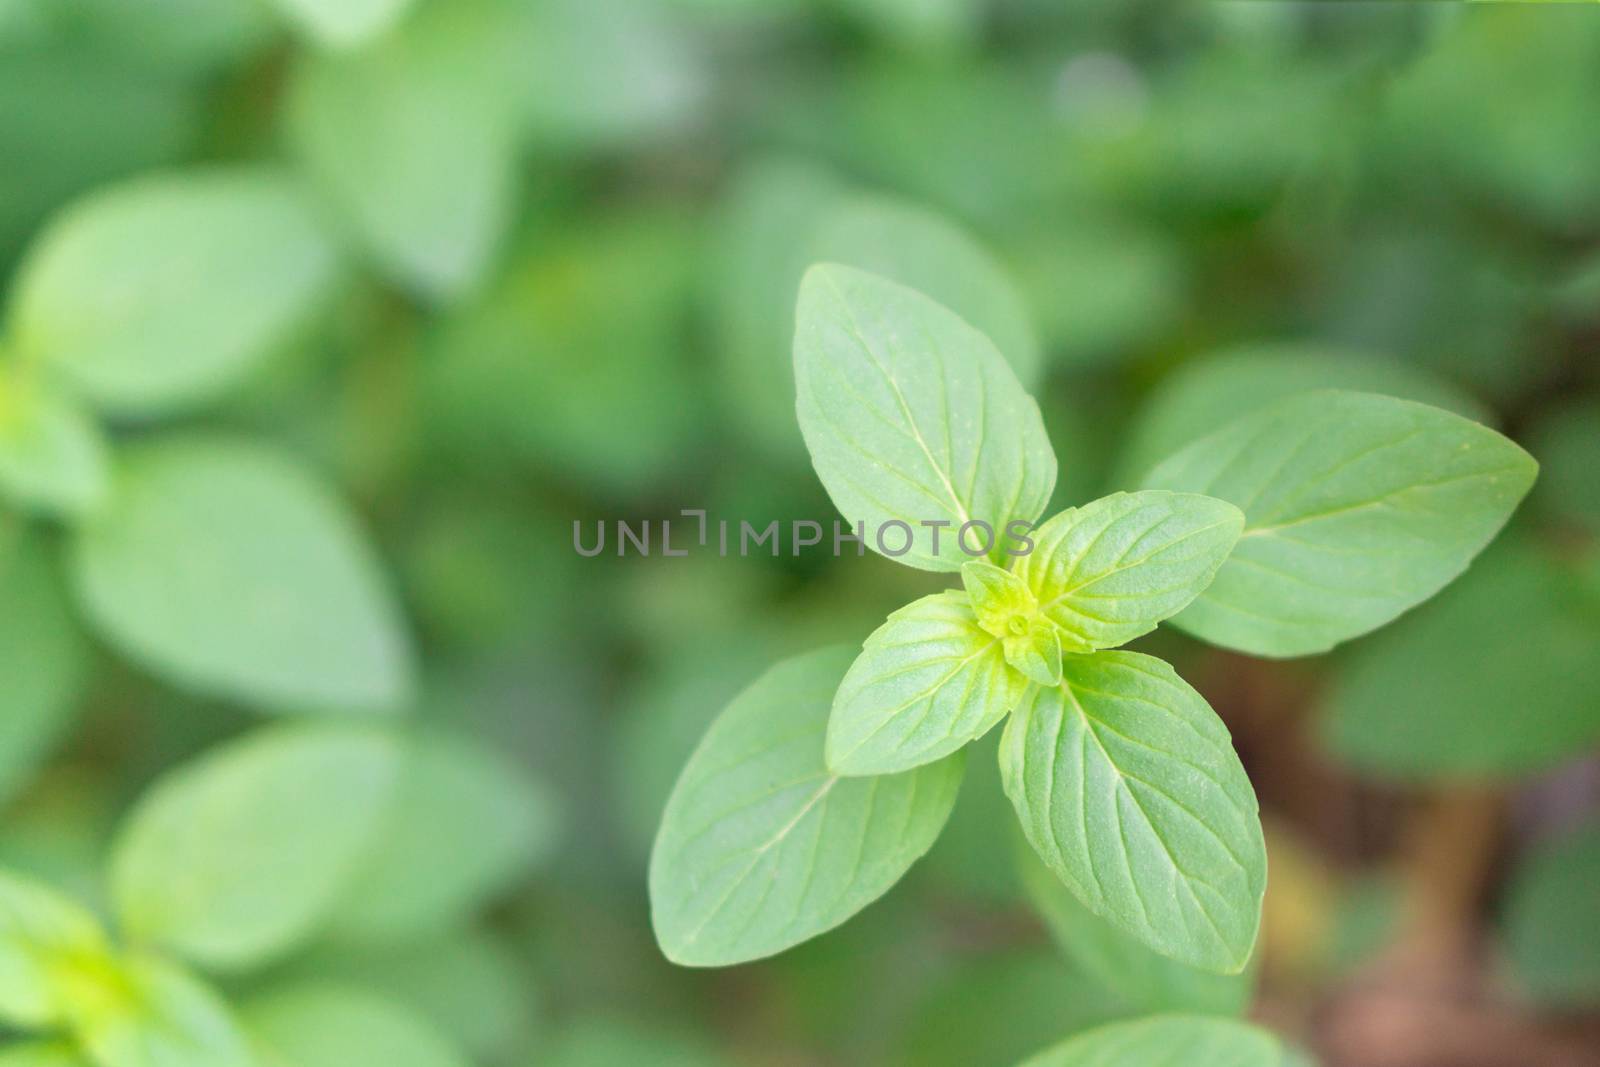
(41, 1054)
(1357, 508)
(327, 1026)
(52, 454)
(343, 23)
(1566, 441)
(162, 293)
(918, 24)
(605, 1042)
(1167, 1041)
(470, 984)
(1207, 394)
(1128, 787)
(1496, 678)
(1552, 921)
(411, 140)
(760, 847)
(901, 402)
(576, 360)
(466, 822)
(237, 857)
(42, 936)
(145, 1011)
(41, 657)
(1143, 981)
(225, 567)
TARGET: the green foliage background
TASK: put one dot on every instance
(323, 322)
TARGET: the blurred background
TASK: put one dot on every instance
(548, 274)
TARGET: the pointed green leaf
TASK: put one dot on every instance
(1143, 980)
(1111, 570)
(912, 416)
(147, 1011)
(412, 138)
(164, 292)
(1036, 653)
(926, 682)
(224, 567)
(1006, 607)
(237, 857)
(325, 1025)
(52, 454)
(41, 933)
(1357, 508)
(761, 847)
(1128, 787)
(1167, 1041)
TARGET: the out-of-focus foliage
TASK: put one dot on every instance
(323, 321)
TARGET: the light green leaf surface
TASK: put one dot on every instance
(1167, 1041)
(41, 935)
(1142, 980)
(465, 823)
(761, 847)
(42, 657)
(1109, 571)
(52, 454)
(412, 140)
(1553, 920)
(1495, 678)
(343, 23)
(1201, 397)
(148, 1012)
(239, 856)
(226, 568)
(1128, 787)
(1357, 508)
(912, 415)
(926, 682)
(330, 1026)
(162, 293)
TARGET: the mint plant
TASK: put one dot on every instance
(1308, 522)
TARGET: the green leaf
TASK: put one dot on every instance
(410, 138)
(912, 416)
(162, 293)
(1167, 1041)
(343, 23)
(761, 847)
(224, 567)
(466, 823)
(239, 856)
(781, 216)
(1201, 397)
(606, 1042)
(1111, 570)
(1496, 678)
(324, 1025)
(52, 455)
(1129, 789)
(1357, 508)
(927, 681)
(1553, 920)
(148, 1012)
(41, 934)
(1144, 981)
(41, 657)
